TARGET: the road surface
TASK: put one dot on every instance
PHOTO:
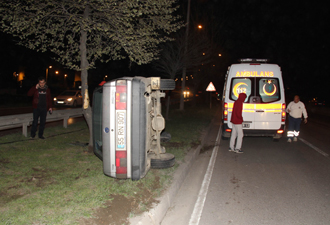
(270, 183)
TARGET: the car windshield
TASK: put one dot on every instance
(68, 93)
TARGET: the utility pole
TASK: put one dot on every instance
(184, 69)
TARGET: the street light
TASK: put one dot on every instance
(47, 71)
(200, 26)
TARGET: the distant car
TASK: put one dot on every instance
(69, 98)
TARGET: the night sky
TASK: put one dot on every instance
(293, 34)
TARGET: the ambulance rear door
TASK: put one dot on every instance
(270, 97)
(242, 85)
(269, 110)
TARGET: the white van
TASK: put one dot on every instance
(264, 108)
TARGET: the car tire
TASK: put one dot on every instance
(167, 84)
(166, 160)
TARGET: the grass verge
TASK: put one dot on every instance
(56, 181)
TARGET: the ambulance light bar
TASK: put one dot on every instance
(250, 60)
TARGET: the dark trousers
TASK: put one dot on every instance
(42, 113)
(294, 127)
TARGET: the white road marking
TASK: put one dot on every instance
(199, 205)
(314, 147)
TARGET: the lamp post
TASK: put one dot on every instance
(65, 82)
(184, 69)
(47, 72)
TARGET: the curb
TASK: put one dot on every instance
(155, 215)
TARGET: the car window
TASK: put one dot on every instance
(269, 89)
(240, 85)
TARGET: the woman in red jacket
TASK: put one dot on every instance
(237, 120)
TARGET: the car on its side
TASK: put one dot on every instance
(71, 98)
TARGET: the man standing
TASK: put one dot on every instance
(42, 102)
(295, 109)
(237, 120)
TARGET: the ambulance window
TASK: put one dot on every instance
(239, 85)
(269, 90)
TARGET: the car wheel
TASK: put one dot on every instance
(166, 160)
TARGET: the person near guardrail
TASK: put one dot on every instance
(295, 109)
(237, 120)
(42, 103)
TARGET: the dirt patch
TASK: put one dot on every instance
(5, 198)
(4, 161)
(206, 149)
(120, 208)
(194, 144)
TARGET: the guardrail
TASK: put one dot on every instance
(25, 120)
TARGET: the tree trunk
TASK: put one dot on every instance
(84, 64)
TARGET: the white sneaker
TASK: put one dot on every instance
(295, 139)
(289, 140)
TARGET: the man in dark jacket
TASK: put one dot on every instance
(237, 120)
(42, 103)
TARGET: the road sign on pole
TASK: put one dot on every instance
(210, 88)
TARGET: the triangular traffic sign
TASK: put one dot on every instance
(210, 87)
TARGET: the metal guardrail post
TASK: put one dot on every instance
(24, 128)
(24, 120)
(65, 122)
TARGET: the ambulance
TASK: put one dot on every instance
(264, 108)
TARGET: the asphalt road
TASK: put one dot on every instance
(270, 183)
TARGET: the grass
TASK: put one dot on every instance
(55, 181)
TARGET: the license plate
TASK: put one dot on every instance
(60, 102)
(246, 125)
(121, 129)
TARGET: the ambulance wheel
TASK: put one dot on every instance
(166, 160)
(167, 84)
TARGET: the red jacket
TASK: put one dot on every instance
(236, 116)
(34, 92)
